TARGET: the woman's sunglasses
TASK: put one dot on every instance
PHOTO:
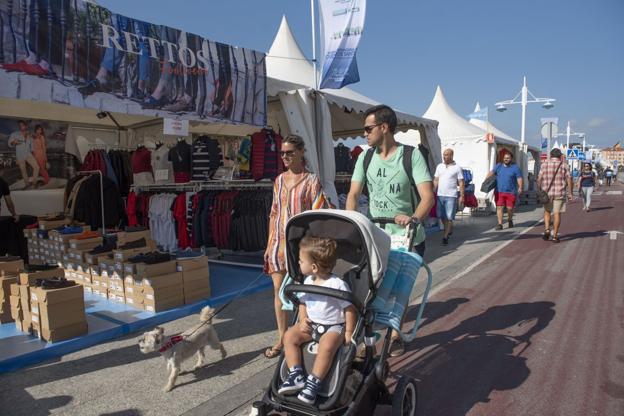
(287, 153)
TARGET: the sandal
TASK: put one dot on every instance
(546, 235)
(555, 239)
(273, 352)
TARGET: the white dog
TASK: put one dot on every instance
(178, 348)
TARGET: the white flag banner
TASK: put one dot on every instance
(342, 25)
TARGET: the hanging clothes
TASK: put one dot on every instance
(265, 157)
(180, 157)
(207, 158)
(88, 204)
(179, 214)
(161, 221)
(342, 158)
(162, 166)
(142, 166)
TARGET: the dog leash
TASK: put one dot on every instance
(240, 292)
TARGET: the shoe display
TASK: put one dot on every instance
(31, 268)
(133, 244)
(54, 283)
(103, 248)
(151, 258)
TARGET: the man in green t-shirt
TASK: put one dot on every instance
(389, 189)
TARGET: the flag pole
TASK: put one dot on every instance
(313, 14)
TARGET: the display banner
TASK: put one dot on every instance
(78, 53)
(34, 147)
(342, 24)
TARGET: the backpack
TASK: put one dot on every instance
(407, 165)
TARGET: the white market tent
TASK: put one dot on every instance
(468, 140)
(327, 113)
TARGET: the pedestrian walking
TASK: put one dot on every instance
(608, 175)
(587, 183)
(394, 190)
(556, 180)
(447, 178)
(508, 185)
(295, 191)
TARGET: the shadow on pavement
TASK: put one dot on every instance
(127, 412)
(583, 234)
(600, 208)
(218, 368)
(461, 367)
(434, 311)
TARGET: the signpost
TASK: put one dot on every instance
(581, 156)
(573, 154)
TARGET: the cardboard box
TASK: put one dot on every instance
(162, 304)
(76, 255)
(192, 264)
(196, 275)
(13, 266)
(64, 333)
(5, 295)
(85, 244)
(51, 224)
(123, 255)
(16, 312)
(58, 315)
(124, 237)
(166, 280)
(95, 259)
(30, 278)
(25, 297)
(24, 325)
(14, 289)
(142, 270)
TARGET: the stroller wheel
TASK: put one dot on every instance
(405, 397)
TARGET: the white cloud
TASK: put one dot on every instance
(597, 122)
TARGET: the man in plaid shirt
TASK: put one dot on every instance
(560, 189)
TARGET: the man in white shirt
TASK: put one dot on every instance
(448, 176)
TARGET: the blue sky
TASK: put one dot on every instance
(571, 50)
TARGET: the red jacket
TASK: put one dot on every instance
(265, 165)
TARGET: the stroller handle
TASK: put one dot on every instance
(383, 221)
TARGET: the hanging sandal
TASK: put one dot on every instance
(546, 235)
(273, 352)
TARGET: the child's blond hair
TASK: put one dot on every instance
(321, 250)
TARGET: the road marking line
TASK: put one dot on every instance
(468, 269)
(614, 192)
(613, 234)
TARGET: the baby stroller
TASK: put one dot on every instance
(381, 280)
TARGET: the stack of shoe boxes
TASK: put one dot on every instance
(21, 303)
(195, 278)
(113, 282)
(35, 252)
(153, 287)
(58, 313)
(9, 268)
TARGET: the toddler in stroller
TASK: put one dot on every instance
(380, 282)
(326, 320)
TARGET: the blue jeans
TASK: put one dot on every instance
(447, 205)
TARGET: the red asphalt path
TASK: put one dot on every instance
(536, 329)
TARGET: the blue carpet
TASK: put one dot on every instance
(108, 320)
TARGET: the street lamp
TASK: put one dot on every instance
(569, 133)
(524, 95)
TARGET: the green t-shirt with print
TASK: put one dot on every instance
(389, 189)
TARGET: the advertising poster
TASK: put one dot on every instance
(78, 53)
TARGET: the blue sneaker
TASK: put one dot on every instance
(294, 382)
(308, 394)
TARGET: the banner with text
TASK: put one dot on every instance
(78, 53)
(342, 24)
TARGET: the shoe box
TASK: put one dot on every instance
(162, 292)
(115, 281)
(15, 302)
(26, 278)
(53, 310)
(124, 237)
(5, 297)
(99, 282)
(94, 259)
(11, 267)
(192, 263)
(45, 224)
(136, 273)
(85, 244)
(195, 278)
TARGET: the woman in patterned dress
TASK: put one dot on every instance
(295, 191)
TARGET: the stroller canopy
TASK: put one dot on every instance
(360, 242)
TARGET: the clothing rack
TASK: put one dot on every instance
(101, 197)
(196, 186)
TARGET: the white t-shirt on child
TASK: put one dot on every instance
(323, 309)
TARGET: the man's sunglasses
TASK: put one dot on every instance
(286, 153)
(369, 129)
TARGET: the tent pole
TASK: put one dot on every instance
(313, 14)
